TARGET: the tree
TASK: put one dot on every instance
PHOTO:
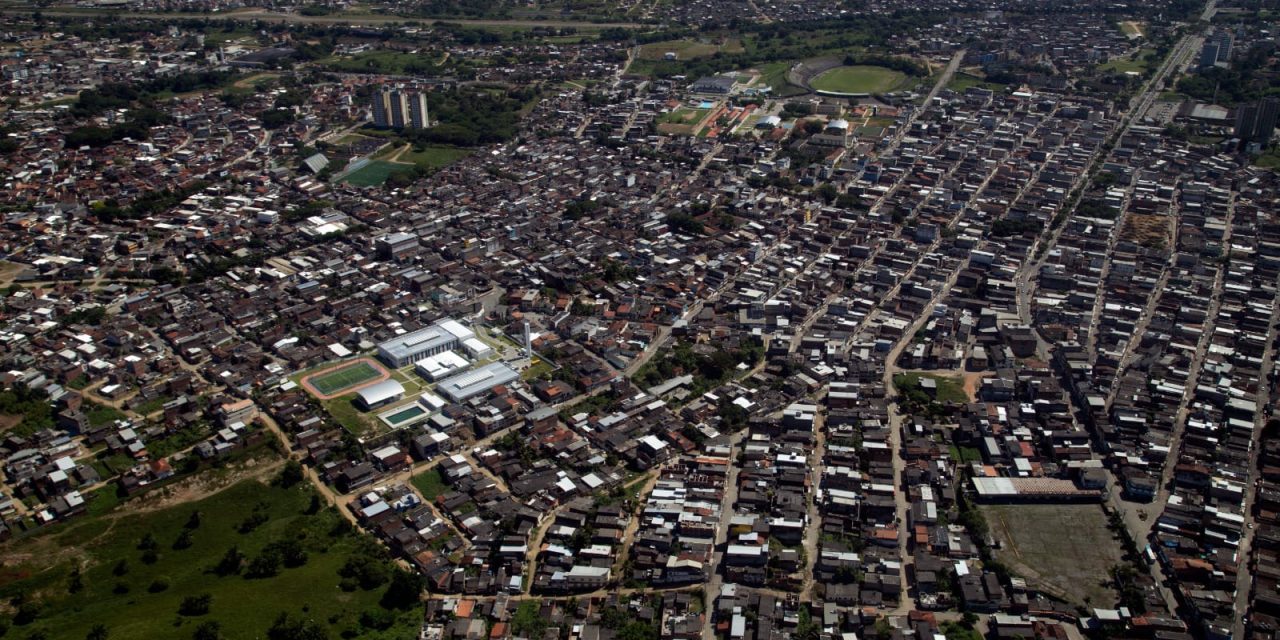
(685, 223)
(276, 118)
(98, 632)
(404, 592)
(208, 630)
(193, 522)
(76, 583)
(291, 552)
(121, 568)
(286, 627)
(528, 621)
(807, 629)
(883, 630)
(230, 562)
(265, 565)
(196, 605)
(368, 572)
(183, 541)
(27, 613)
(290, 475)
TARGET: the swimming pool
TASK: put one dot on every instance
(403, 415)
(706, 104)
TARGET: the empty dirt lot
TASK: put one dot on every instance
(1064, 549)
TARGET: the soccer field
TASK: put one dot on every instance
(859, 79)
(344, 378)
(375, 173)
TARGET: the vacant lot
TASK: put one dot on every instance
(389, 62)
(684, 49)
(132, 571)
(1146, 229)
(341, 379)
(859, 79)
(343, 410)
(1065, 550)
(687, 49)
(962, 81)
(950, 388)
(430, 484)
(1131, 28)
(1136, 62)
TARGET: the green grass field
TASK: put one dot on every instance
(386, 61)
(683, 115)
(350, 138)
(412, 384)
(960, 82)
(1268, 160)
(1136, 61)
(343, 409)
(859, 79)
(965, 455)
(687, 49)
(950, 389)
(537, 369)
(100, 414)
(374, 173)
(344, 378)
(151, 406)
(434, 157)
(138, 596)
(430, 484)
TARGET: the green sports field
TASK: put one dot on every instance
(375, 173)
(859, 79)
(344, 378)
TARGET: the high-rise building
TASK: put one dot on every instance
(418, 116)
(1216, 50)
(382, 107)
(1224, 46)
(1256, 122)
(399, 108)
(1208, 54)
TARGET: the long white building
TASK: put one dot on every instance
(444, 335)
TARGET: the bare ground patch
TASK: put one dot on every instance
(1065, 550)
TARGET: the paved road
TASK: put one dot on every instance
(716, 580)
(1244, 579)
(813, 528)
(276, 16)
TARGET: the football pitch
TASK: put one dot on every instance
(374, 173)
(344, 378)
